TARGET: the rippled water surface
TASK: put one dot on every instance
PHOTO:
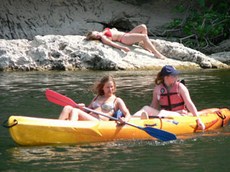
(23, 94)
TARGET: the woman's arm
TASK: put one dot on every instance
(155, 102)
(187, 99)
(90, 105)
(121, 105)
(190, 105)
(107, 41)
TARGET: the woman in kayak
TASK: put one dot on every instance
(105, 102)
(170, 97)
(136, 35)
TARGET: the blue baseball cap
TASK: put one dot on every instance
(168, 70)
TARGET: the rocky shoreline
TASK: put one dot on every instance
(73, 52)
(62, 25)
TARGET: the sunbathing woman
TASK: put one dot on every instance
(136, 35)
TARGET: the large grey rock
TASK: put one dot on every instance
(23, 20)
(73, 52)
(26, 18)
(178, 51)
(222, 56)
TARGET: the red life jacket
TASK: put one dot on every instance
(171, 99)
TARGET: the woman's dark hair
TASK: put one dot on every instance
(159, 79)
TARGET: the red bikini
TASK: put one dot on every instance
(108, 32)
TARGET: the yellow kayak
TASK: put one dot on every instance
(42, 131)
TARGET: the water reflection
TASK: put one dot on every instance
(119, 155)
(109, 156)
(95, 156)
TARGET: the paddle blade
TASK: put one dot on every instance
(160, 134)
(59, 99)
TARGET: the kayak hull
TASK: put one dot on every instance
(42, 131)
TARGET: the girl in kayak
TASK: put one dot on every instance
(105, 102)
(170, 97)
(136, 35)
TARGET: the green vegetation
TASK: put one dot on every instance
(205, 23)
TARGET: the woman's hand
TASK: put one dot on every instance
(126, 49)
(200, 124)
(183, 112)
(121, 121)
(81, 105)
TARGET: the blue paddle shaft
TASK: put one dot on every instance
(154, 132)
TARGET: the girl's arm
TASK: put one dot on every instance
(190, 105)
(187, 99)
(107, 41)
(155, 102)
(124, 110)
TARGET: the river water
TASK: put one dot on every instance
(22, 93)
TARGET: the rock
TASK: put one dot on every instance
(222, 56)
(26, 18)
(22, 21)
(73, 52)
(178, 51)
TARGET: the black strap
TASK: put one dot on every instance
(172, 106)
(219, 114)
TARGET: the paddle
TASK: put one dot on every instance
(62, 100)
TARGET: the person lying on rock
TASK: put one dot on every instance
(105, 102)
(139, 34)
(170, 98)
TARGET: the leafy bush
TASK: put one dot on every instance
(206, 23)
